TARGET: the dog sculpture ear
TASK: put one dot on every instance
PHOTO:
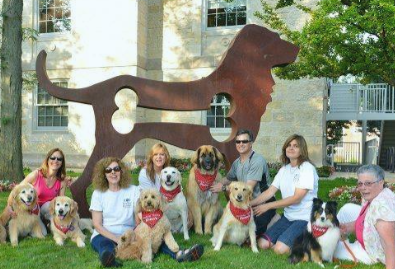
(73, 208)
(195, 158)
(218, 156)
(52, 207)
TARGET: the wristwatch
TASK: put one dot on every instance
(223, 187)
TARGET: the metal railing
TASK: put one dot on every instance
(390, 159)
(344, 153)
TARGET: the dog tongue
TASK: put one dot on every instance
(61, 217)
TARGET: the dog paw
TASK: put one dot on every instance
(186, 237)
(255, 250)
(146, 261)
(217, 248)
(59, 243)
(81, 244)
(14, 244)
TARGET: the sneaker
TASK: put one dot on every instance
(107, 259)
(191, 254)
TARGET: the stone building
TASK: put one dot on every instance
(169, 40)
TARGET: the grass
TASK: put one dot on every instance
(34, 253)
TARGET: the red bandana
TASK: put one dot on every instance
(35, 210)
(243, 215)
(318, 231)
(170, 195)
(151, 218)
(64, 229)
(204, 181)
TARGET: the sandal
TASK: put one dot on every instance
(191, 254)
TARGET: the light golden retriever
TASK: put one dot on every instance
(65, 221)
(201, 201)
(23, 200)
(237, 222)
(155, 226)
(130, 247)
(4, 218)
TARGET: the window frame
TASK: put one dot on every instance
(217, 129)
(49, 34)
(36, 106)
(219, 28)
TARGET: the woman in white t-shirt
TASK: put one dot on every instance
(157, 159)
(297, 181)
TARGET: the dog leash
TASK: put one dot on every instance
(352, 255)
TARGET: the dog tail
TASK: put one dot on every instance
(86, 224)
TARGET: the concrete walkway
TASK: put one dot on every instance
(389, 177)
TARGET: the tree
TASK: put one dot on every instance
(342, 37)
(11, 88)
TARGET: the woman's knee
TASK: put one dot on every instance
(263, 243)
(281, 248)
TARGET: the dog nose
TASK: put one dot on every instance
(29, 198)
(168, 177)
(322, 218)
(149, 203)
(60, 211)
(239, 197)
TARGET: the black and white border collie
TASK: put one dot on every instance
(318, 243)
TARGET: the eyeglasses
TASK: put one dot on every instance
(367, 184)
(110, 169)
(242, 141)
(53, 158)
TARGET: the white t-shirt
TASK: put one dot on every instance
(117, 208)
(303, 177)
(146, 183)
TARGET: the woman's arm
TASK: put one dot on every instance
(291, 200)
(386, 230)
(264, 196)
(63, 187)
(97, 219)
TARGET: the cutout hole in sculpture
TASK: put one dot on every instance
(217, 116)
(124, 118)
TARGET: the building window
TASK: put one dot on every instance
(223, 13)
(51, 111)
(216, 116)
(54, 16)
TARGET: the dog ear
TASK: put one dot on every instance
(218, 156)
(52, 207)
(332, 205)
(162, 204)
(138, 208)
(73, 208)
(317, 202)
(250, 192)
(195, 158)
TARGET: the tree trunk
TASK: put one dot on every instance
(11, 89)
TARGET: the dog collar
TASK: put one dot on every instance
(64, 229)
(318, 231)
(35, 210)
(243, 215)
(151, 218)
(204, 181)
(170, 195)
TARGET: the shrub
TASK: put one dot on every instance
(6, 185)
(325, 171)
(182, 164)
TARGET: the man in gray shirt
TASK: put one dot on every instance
(251, 168)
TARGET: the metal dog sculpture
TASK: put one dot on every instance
(244, 75)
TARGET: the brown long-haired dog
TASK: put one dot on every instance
(23, 200)
(65, 221)
(4, 218)
(130, 247)
(155, 226)
(237, 222)
(201, 201)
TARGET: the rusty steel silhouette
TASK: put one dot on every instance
(243, 75)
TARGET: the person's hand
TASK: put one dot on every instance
(260, 209)
(68, 181)
(216, 187)
(346, 228)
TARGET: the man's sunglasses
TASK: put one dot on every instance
(242, 141)
(110, 169)
(53, 158)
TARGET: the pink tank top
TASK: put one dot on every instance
(359, 224)
(44, 193)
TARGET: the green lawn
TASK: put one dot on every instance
(34, 253)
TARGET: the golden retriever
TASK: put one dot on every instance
(65, 221)
(130, 247)
(23, 200)
(4, 218)
(155, 226)
(201, 201)
(237, 222)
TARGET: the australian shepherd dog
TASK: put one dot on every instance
(318, 243)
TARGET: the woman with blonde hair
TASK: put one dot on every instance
(49, 182)
(157, 159)
(297, 181)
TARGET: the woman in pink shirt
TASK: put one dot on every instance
(49, 181)
(373, 223)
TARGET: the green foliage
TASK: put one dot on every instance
(341, 38)
(325, 171)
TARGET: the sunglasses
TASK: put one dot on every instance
(242, 141)
(367, 184)
(53, 158)
(110, 169)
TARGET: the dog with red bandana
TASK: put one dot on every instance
(237, 222)
(177, 208)
(204, 204)
(319, 242)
